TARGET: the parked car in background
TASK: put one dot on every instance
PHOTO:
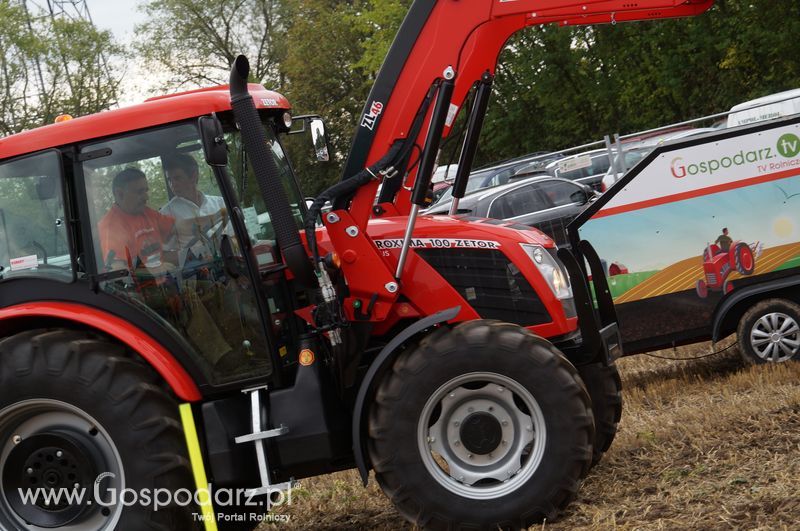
(640, 150)
(585, 168)
(545, 202)
(499, 173)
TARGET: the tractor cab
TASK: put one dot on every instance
(153, 228)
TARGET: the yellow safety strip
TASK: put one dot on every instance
(198, 468)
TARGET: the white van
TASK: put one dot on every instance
(766, 108)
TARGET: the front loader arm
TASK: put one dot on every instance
(467, 36)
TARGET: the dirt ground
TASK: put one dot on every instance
(704, 444)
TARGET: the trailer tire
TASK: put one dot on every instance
(75, 407)
(530, 422)
(769, 332)
(605, 389)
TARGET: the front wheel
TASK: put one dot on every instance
(702, 289)
(481, 426)
(605, 389)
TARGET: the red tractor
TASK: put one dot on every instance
(719, 264)
(172, 316)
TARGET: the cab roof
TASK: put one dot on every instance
(153, 112)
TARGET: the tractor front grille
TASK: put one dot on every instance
(490, 283)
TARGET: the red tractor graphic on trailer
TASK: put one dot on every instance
(719, 264)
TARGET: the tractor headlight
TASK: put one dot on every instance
(551, 270)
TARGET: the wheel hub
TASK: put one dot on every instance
(55, 462)
(775, 337)
(481, 433)
(50, 454)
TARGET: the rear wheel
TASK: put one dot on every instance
(481, 426)
(77, 414)
(770, 332)
(743, 259)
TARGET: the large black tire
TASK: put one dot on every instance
(72, 376)
(759, 323)
(605, 390)
(526, 364)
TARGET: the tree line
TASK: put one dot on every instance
(555, 87)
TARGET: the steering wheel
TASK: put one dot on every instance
(211, 231)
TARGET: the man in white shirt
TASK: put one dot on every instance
(202, 219)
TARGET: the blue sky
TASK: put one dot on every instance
(655, 237)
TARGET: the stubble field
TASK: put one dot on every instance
(706, 444)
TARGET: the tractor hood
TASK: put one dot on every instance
(458, 227)
(447, 231)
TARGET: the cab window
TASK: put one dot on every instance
(33, 228)
(159, 222)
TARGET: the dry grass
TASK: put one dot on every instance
(704, 444)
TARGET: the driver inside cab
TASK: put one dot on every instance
(135, 237)
(132, 234)
(202, 219)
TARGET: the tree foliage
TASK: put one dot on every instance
(323, 76)
(197, 41)
(555, 87)
(52, 66)
(560, 87)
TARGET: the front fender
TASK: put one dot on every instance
(367, 390)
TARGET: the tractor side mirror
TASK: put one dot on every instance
(213, 140)
(319, 139)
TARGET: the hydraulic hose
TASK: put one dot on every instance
(344, 188)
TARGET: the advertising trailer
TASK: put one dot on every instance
(709, 230)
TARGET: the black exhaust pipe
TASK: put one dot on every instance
(267, 176)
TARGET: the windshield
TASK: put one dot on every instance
(257, 219)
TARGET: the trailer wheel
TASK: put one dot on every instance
(769, 332)
(605, 389)
(702, 288)
(481, 426)
(743, 259)
(76, 414)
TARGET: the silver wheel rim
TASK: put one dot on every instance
(30, 418)
(496, 399)
(775, 337)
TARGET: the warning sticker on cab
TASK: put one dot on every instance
(24, 262)
(438, 243)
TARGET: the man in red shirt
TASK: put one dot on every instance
(131, 233)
